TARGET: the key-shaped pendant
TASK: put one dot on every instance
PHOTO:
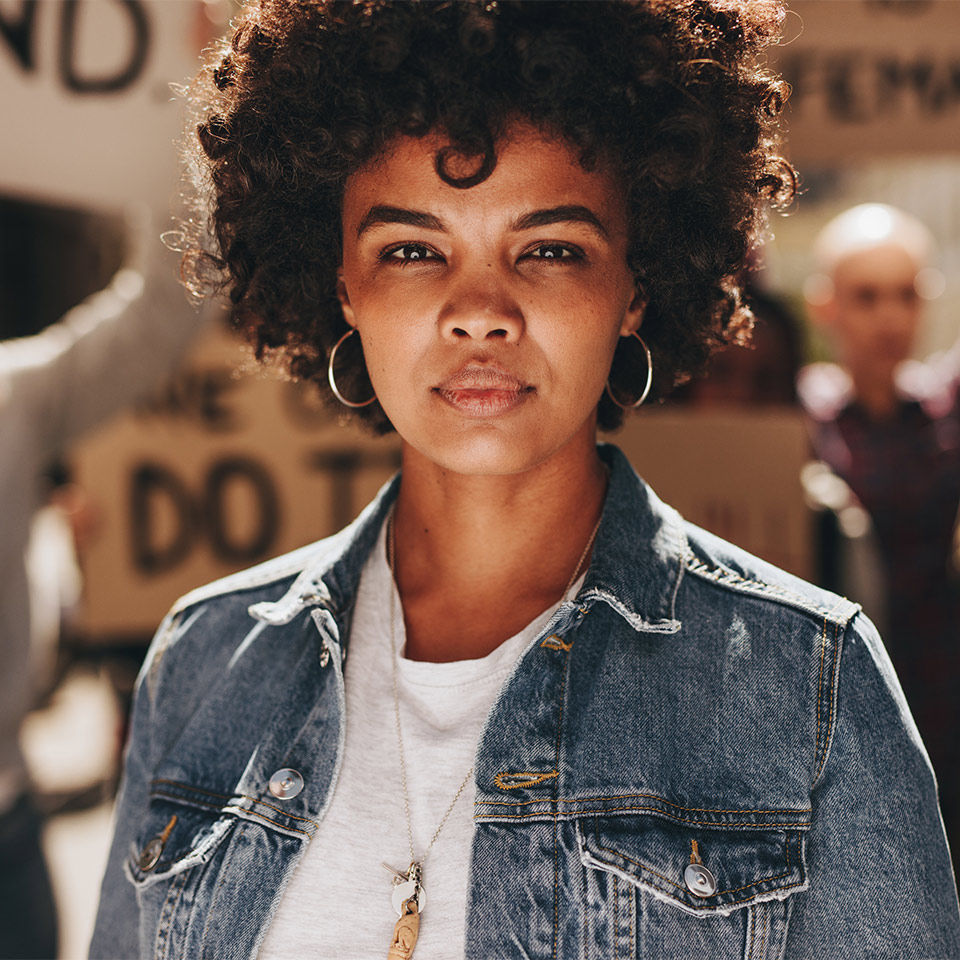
(405, 932)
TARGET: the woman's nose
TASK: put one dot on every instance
(481, 307)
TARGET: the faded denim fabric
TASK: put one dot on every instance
(692, 703)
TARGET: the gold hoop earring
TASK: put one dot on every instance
(332, 380)
(646, 387)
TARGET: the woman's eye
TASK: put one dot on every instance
(409, 253)
(555, 251)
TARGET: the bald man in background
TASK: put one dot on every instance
(890, 427)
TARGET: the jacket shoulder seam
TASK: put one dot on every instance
(839, 613)
(244, 580)
(827, 689)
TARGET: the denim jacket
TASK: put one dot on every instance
(699, 757)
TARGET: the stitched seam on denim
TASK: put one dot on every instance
(616, 914)
(586, 913)
(556, 823)
(177, 886)
(270, 806)
(586, 928)
(238, 583)
(234, 810)
(223, 796)
(216, 893)
(162, 931)
(729, 903)
(556, 887)
(533, 780)
(723, 575)
(708, 906)
(763, 919)
(633, 923)
(816, 739)
(628, 796)
(835, 672)
(751, 934)
(199, 804)
(186, 786)
(602, 810)
(718, 893)
(276, 823)
(840, 602)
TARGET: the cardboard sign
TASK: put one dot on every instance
(735, 472)
(227, 469)
(87, 113)
(870, 78)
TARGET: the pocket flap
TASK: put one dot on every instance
(172, 837)
(731, 867)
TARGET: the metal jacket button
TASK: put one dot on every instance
(150, 854)
(699, 880)
(285, 784)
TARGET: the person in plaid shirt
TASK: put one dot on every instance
(890, 428)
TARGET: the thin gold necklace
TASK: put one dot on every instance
(409, 897)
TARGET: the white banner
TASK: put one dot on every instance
(87, 113)
(871, 78)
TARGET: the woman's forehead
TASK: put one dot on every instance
(533, 170)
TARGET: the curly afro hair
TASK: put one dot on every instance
(673, 92)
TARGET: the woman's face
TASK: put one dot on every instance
(489, 315)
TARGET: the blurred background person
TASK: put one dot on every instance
(105, 354)
(889, 427)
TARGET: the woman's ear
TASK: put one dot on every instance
(344, 299)
(634, 315)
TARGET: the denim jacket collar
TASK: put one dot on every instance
(637, 565)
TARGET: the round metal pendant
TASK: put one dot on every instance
(402, 892)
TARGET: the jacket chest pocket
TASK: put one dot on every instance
(207, 870)
(168, 865)
(658, 890)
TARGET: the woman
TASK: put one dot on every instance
(566, 722)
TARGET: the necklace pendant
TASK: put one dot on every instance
(409, 886)
(405, 932)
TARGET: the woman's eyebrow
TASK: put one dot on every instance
(411, 218)
(563, 214)
(569, 213)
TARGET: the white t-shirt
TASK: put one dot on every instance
(337, 905)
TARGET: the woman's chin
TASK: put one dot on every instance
(477, 450)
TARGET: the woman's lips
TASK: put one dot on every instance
(483, 391)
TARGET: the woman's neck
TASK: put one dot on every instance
(478, 558)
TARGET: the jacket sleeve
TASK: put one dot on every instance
(881, 881)
(113, 349)
(117, 931)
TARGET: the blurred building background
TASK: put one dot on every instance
(228, 466)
